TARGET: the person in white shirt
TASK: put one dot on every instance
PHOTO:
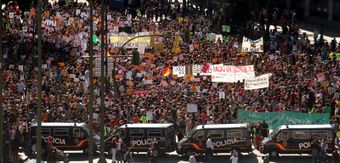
(234, 156)
(210, 147)
(192, 158)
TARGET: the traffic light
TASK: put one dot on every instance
(135, 58)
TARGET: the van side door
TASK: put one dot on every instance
(234, 138)
(198, 140)
(79, 136)
(300, 140)
(62, 137)
(218, 139)
(156, 137)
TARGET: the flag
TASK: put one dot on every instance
(95, 39)
(205, 68)
(166, 71)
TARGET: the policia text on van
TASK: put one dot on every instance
(141, 136)
(225, 137)
(297, 139)
(66, 136)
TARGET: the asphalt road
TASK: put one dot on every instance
(76, 157)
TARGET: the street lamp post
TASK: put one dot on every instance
(102, 84)
(1, 107)
(39, 79)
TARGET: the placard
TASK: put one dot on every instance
(149, 115)
(257, 82)
(249, 45)
(191, 108)
(179, 71)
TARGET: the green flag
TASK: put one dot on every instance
(226, 28)
(95, 39)
(139, 14)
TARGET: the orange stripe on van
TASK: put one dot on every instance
(76, 146)
(197, 147)
(280, 146)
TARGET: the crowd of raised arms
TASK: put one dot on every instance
(305, 71)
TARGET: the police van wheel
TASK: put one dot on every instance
(274, 154)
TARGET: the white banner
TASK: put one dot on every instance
(118, 39)
(257, 82)
(197, 69)
(249, 45)
(179, 71)
(231, 74)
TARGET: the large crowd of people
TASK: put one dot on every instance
(305, 71)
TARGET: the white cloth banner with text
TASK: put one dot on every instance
(249, 45)
(231, 74)
(257, 82)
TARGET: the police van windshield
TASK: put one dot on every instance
(191, 132)
(273, 133)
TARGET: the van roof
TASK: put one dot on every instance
(217, 126)
(147, 125)
(311, 126)
(59, 124)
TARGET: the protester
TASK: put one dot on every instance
(323, 151)
(152, 154)
(335, 156)
(209, 149)
(234, 156)
(315, 149)
(192, 158)
(114, 149)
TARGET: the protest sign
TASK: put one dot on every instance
(231, 74)
(249, 45)
(118, 39)
(219, 37)
(149, 115)
(179, 71)
(191, 108)
(197, 69)
(257, 82)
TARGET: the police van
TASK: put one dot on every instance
(141, 136)
(225, 138)
(66, 136)
(297, 139)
